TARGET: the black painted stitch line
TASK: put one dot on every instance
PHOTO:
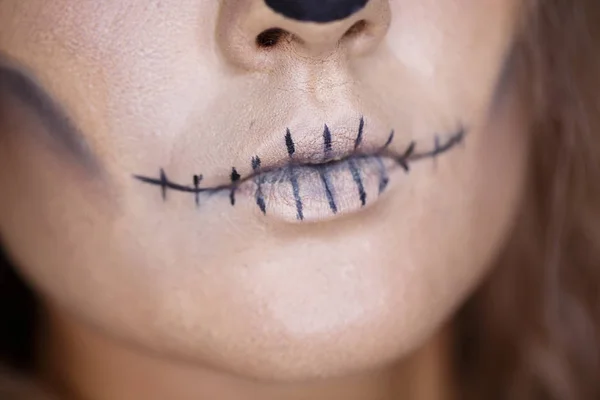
(289, 143)
(359, 137)
(328, 190)
(235, 177)
(260, 198)
(436, 146)
(461, 135)
(163, 184)
(403, 160)
(436, 149)
(296, 192)
(197, 180)
(389, 140)
(359, 182)
(454, 140)
(293, 178)
(256, 163)
(383, 176)
(260, 201)
(327, 146)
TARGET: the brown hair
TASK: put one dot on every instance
(532, 330)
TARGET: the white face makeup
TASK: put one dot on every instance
(313, 202)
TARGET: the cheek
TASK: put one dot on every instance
(449, 52)
(467, 205)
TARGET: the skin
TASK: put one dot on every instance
(177, 301)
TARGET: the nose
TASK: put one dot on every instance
(256, 34)
(316, 10)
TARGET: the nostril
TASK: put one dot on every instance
(358, 28)
(270, 37)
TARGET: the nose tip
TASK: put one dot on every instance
(320, 11)
(249, 32)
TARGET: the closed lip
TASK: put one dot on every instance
(329, 177)
(317, 177)
(321, 151)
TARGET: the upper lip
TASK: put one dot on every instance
(324, 146)
(318, 151)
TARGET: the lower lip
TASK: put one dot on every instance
(314, 193)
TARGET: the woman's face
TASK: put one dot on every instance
(313, 203)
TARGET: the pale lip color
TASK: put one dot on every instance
(321, 192)
(325, 178)
(303, 190)
(323, 175)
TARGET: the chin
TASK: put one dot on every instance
(295, 310)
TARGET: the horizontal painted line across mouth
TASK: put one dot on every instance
(404, 160)
(271, 174)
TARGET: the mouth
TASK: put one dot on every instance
(315, 182)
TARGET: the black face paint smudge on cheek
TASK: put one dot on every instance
(321, 11)
(20, 92)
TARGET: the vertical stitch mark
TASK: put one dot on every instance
(358, 180)
(328, 190)
(327, 142)
(436, 144)
(404, 158)
(460, 135)
(255, 163)
(436, 149)
(235, 177)
(359, 137)
(291, 148)
(389, 140)
(197, 180)
(296, 191)
(260, 199)
(289, 143)
(383, 176)
(163, 184)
